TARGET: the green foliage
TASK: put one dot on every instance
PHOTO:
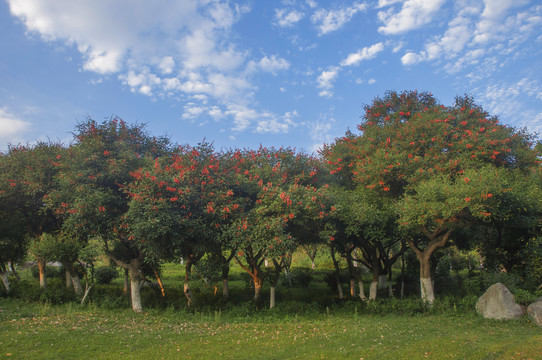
(53, 272)
(477, 285)
(57, 293)
(105, 274)
(300, 277)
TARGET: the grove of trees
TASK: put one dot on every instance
(417, 177)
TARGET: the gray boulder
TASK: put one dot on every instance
(498, 303)
(535, 311)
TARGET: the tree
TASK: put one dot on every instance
(13, 238)
(27, 181)
(278, 201)
(183, 206)
(91, 195)
(410, 146)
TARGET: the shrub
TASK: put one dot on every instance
(477, 285)
(57, 293)
(330, 280)
(105, 274)
(301, 277)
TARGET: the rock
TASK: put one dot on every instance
(535, 311)
(498, 303)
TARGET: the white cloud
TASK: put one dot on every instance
(325, 81)
(242, 116)
(330, 20)
(272, 124)
(166, 65)
(320, 133)
(479, 33)
(413, 14)
(192, 111)
(268, 64)
(505, 98)
(385, 3)
(312, 4)
(366, 53)
(11, 128)
(287, 18)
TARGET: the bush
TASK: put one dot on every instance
(477, 285)
(57, 293)
(105, 274)
(301, 277)
(331, 282)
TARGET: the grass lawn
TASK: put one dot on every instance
(38, 331)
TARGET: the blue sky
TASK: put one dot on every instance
(244, 73)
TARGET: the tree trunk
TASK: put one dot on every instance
(5, 279)
(258, 282)
(186, 287)
(361, 290)
(288, 276)
(382, 281)
(42, 270)
(69, 282)
(135, 285)
(402, 275)
(373, 290)
(76, 282)
(126, 281)
(426, 281)
(337, 273)
(272, 296)
(225, 283)
(352, 287)
(225, 288)
(437, 239)
(390, 285)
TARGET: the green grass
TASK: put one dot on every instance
(41, 331)
(310, 322)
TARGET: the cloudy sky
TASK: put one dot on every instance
(244, 73)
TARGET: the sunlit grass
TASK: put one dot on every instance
(71, 331)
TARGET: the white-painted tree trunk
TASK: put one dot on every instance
(361, 291)
(427, 290)
(76, 282)
(373, 290)
(135, 290)
(5, 280)
(266, 263)
(272, 297)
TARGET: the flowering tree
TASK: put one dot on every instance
(91, 195)
(410, 143)
(279, 199)
(28, 180)
(184, 204)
